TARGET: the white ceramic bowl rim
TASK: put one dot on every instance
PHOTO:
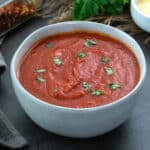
(134, 5)
(37, 100)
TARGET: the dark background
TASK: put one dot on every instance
(134, 134)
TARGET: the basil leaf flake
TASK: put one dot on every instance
(40, 79)
(86, 86)
(56, 90)
(134, 62)
(108, 70)
(49, 45)
(89, 43)
(81, 55)
(57, 61)
(97, 92)
(104, 60)
(41, 70)
(114, 86)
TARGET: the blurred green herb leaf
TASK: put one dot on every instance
(87, 8)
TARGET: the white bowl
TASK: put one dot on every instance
(76, 122)
(142, 20)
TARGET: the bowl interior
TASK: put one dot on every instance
(71, 26)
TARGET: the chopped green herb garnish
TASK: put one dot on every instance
(81, 55)
(83, 9)
(97, 92)
(57, 61)
(134, 62)
(40, 79)
(56, 90)
(49, 45)
(86, 86)
(114, 86)
(108, 70)
(89, 43)
(41, 70)
(104, 60)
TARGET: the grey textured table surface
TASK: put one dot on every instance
(134, 134)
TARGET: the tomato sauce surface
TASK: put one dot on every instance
(79, 69)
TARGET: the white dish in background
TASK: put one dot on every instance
(77, 122)
(142, 20)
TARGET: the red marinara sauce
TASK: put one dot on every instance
(79, 69)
